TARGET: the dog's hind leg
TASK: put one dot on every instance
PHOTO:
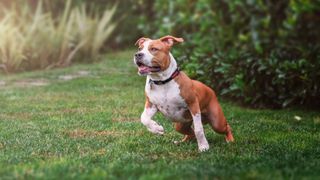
(186, 130)
(218, 121)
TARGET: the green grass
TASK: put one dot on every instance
(89, 127)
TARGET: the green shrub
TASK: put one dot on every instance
(261, 52)
(37, 40)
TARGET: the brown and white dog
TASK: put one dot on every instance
(181, 99)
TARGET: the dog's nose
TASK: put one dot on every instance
(138, 55)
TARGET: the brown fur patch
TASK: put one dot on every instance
(141, 41)
(160, 55)
(148, 104)
(194, 92)
(187, 92)
(201, 99)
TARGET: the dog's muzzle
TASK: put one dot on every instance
(138, 56)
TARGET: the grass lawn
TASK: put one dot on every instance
(83, 122)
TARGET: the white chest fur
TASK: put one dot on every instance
(168, 100)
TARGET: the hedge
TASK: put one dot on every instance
(260, 52)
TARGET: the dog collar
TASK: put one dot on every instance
(173, 75)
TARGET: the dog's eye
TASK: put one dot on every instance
(140, 48)
(154, 49)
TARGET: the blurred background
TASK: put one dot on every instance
(261, 53)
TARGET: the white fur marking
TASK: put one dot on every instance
(147, 60)
(203, 144)
(151, 125)
(167, 99)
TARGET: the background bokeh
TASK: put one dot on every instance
(262, 53)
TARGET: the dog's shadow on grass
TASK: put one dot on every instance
(215, 139)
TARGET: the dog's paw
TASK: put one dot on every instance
(156, 129)
(203, 147)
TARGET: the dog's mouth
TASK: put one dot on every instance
(144, 69)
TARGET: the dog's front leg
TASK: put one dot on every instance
(203, 144)
(146, 118)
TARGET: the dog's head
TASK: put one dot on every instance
(153, 56)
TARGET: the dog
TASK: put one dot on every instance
(184, 101)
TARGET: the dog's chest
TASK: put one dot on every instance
(168, 100)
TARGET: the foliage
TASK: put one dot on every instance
(89, 128)
(37, 40)
(263, 52)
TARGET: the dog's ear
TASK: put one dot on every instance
(140, 41)
(171, 40)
